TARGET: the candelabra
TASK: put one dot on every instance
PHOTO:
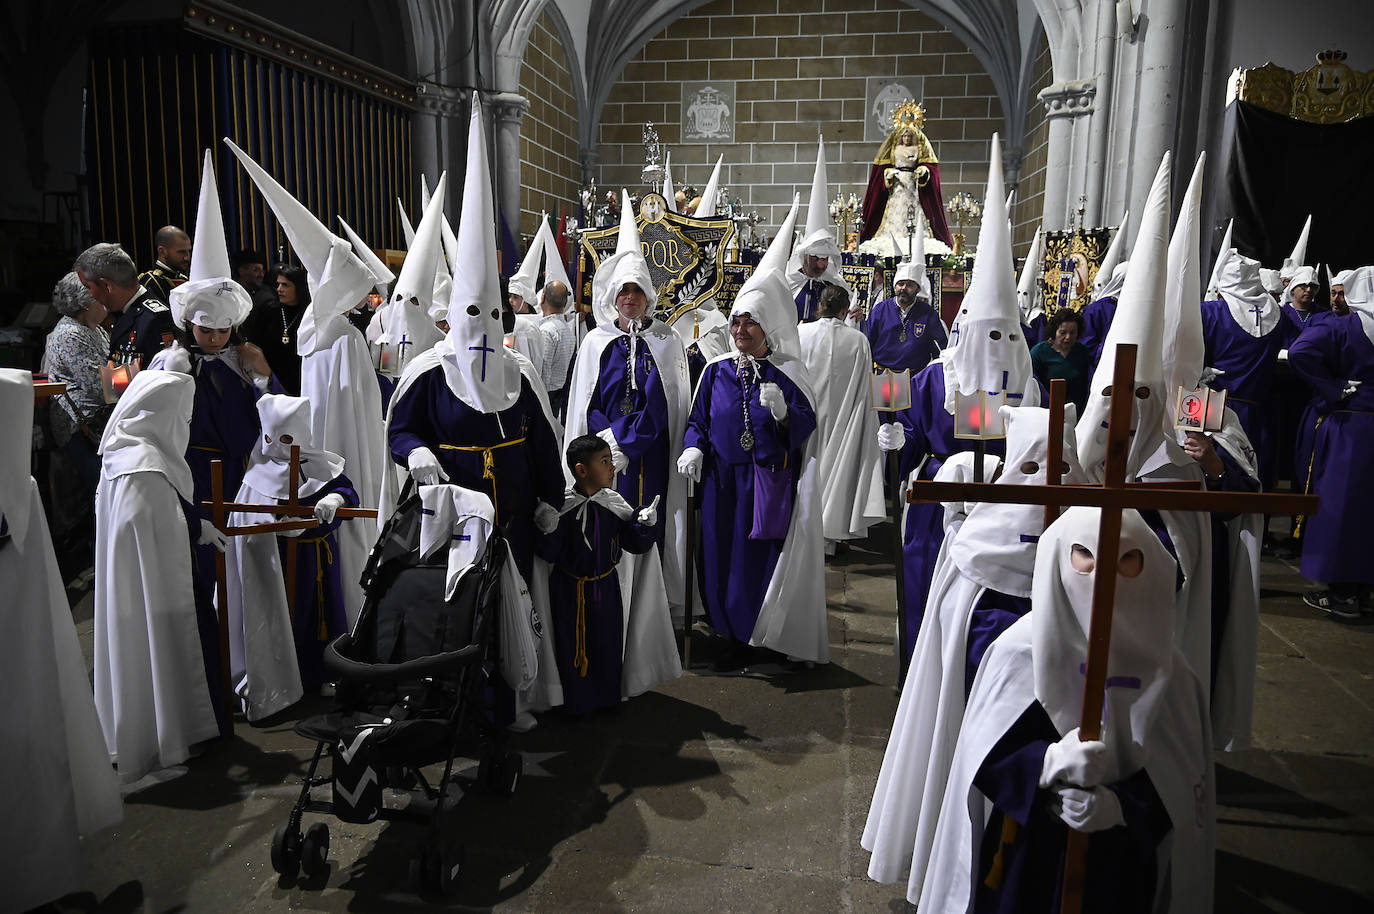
(842, 213)
(964, 208)
(652, 172)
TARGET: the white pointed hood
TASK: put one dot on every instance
(1140, 660)
(990, 354)
(478, 367)
(1139, 320)
(1214, 281)
(819, 238)
(1241, 286)
(211, 297)
(285, 423)
(765, 296)
(913, 266)
(406, 227)
(443, 273)
(338, 279)
(16, 451)
(150, 428)
(554, 271)
(707, 209)
(1359, 296)
(1028, 297)
(1298, 258)
(1183, 343)
(409, 313)
(669, 194)
(525, 281)
(1112, 257)
(381, 273)
(626, 265)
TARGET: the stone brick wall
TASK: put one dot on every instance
(549, 169)
(800, 66)
(1030, 192)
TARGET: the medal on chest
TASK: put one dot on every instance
(627, 405)
(746, 439)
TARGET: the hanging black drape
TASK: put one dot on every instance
(1278, 170)
(159, 95)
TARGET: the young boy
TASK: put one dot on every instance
(596, 524)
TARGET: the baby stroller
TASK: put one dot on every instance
(413, 679)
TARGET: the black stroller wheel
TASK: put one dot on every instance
(286, 850)
(315, 850)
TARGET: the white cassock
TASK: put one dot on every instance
(986, 547)
(53, 758)
(150, 687)
(840, 362)
(1160, 724)
(526, 338)
(338, 379)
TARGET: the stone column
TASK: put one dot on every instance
(438, 137)
(1066, 104)
(507, 111)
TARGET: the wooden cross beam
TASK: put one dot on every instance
(1112, 496)
(219, 512)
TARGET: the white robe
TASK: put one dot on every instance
(1180, 768)
(54, 757)
(527, 339)
(346, 419)
(840, 363)
(262, 644)
(150, 687)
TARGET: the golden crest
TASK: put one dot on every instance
(909, 114)
(1328, 93)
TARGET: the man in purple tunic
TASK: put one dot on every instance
(1244, 331)
(904, 331)
(1336, 358)
(986, 355)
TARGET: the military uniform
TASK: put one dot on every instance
(161, 280)
(144, 327)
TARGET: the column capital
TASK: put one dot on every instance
(508, 107)
(439, 100)
(1072, 98)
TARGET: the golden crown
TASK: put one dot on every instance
(909, 114)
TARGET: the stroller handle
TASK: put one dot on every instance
(432, 665)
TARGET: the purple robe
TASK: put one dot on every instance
(1121, 861)
(737, 569)
(1326, 355)
(1249, 365)
(510, 456)
(642, 433)
(925, 335)
(1034, 332)
(582, 552)
(1097, 320)
(317, 613)
(809, 300)
(929, 431)
(993, 613)
(1304, 426)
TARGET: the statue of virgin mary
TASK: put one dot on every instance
(905, 172)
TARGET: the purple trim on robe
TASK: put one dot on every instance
(737, 569)
(1326, 355)
(643, 435)
(429, 415)
(925, 335)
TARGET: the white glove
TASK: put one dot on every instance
(545, 517)
(770, 395)
(425, 468)
(211, 536)
(891, 436)
(325, 507)
(175, 358)
(618, 458)
(648, 515)
(1088, 810)
(689, 464)
(1072, 761)
(1209, 375)
(1350, 388)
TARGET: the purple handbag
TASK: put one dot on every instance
(772, 503)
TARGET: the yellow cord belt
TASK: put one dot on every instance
(324, 555)
(580, 642)
(488, 465)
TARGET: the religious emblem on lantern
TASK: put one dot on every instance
(1199, 410)
(390, 358)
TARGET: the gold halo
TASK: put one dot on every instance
(909, 114)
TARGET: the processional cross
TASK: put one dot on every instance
(1112, 496)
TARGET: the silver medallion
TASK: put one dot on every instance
(746, 440)
(627, 405)
(901, 337)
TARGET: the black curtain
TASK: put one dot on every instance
(1278, 170)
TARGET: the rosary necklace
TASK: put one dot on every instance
(627, 405)
(748, 371)
(285, 330)
(902, 316)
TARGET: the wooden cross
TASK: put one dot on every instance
(1112, 496)
(219, 514)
